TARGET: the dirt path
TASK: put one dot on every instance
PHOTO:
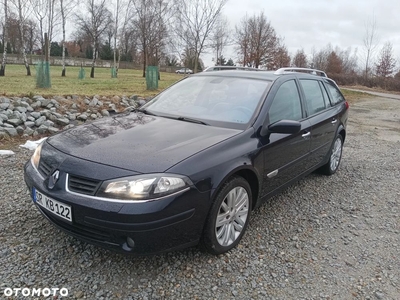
(379, 94)
(380, 116)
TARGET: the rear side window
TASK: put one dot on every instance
(336, 95)
(314, 98)
(324, 92)
(286, 104)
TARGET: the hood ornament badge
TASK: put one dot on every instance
(53, 179)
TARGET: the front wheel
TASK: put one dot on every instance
(229, 216)
(335, 153)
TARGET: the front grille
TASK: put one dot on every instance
(44, 168)
(83, 185)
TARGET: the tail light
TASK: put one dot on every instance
(347, 105)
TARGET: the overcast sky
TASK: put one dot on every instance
(315, 23)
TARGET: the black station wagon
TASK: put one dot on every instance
(190, 165)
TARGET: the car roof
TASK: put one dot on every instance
(267, 75)
(222, 68)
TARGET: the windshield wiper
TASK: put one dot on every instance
(180, 118)
(145, 111)
(191, 120)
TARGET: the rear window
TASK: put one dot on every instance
(336, 95)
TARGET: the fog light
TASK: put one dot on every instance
(130, 242)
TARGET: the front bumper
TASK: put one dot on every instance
(169, 223)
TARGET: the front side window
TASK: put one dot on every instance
(286, 104)
(314, 98)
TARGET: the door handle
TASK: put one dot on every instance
(334, 121)
(306, 135)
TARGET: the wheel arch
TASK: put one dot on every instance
(250, 175)
(342, 132)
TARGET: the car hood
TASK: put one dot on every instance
(138, 142)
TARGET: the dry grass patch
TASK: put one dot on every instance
(353, 96)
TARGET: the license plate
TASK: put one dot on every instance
(55, 207)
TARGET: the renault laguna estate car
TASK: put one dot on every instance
(189, 166)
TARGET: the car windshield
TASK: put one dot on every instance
(217, 100)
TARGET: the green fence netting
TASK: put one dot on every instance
(152, 77)
(43, 75)
(113, 72)
(81, 73)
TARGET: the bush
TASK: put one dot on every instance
(393, 84)
(344, 79)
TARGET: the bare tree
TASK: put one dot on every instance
(46, 13)
(5, 40)
(94, 24)
(300, 59)
(242, 41)
(52, 16)
(281, 58)
(195, 21)
(66, 7)
(151, 29)
(23, 11)
(117, 9)
(348, 59)
(39, 8)
(256, 41)
(319, 59)
(370, 43)
(32, 36)
(220, 37)
(386, 62)
(120, 22)
(335, 64)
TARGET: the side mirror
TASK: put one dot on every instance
(283, 126)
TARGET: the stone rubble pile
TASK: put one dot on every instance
(27, 116)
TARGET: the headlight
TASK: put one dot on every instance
(144, 187)
(36, 156)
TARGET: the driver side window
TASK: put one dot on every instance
(286, 104)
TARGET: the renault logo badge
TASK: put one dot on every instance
(53, 179)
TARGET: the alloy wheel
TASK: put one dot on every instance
(336, 154)
(232, 215)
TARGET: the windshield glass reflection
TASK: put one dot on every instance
(226, 99)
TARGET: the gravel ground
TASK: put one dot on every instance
(324, 238)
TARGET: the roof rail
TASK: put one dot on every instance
(301, 70)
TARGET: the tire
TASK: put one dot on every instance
(232, 208)
(335, 155)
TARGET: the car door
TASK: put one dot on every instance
(285, 155)
(321, 117)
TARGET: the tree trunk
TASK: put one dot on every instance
(63, 39)
(28, 69)
(115, 58)
(4, 61)
(21, 34)
(5, 38)
(63, 58)
(144, 63)
(94, 61)
(196, 63)
(119, 60)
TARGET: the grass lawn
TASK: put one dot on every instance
(129, 82)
